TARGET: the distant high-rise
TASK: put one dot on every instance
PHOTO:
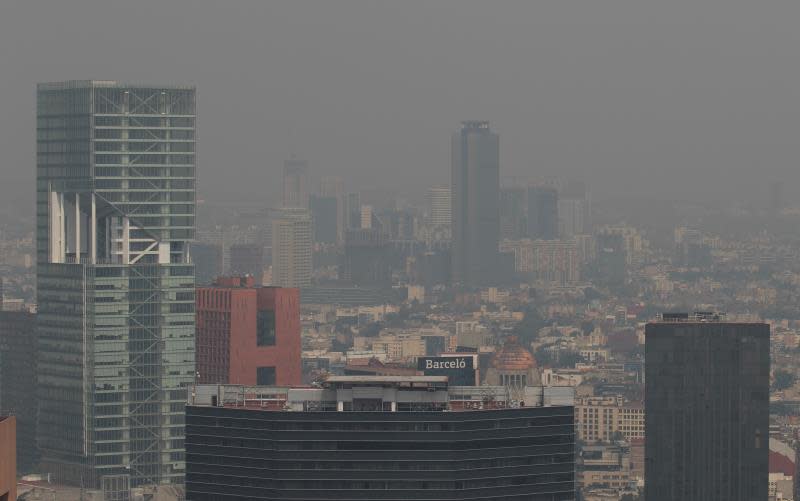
(611, 259)
(352, 211)
(542, 213)
(475, 178)
(295, 183)
(292, 246)
(367, 215)
(333, 187)
(513, 209)
(706, 409)
(325, 211)
(207, 260)
(247, 259)
(115, 283)
(367, 258)
(576, 218)
(440, 207)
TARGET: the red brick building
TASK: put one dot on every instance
(8, 458)
(248, 335)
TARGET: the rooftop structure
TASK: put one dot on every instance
(379, 393)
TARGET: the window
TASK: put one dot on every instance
(265, 328)
(265, 376)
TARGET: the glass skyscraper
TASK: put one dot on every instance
(475, 189)
(115, 215)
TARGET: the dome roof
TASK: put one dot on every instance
(513, 357)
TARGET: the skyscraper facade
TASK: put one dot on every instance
(295, 183)
(542, 213)
(706, 409)
(475, 186)
(292, 248)
(115, 282)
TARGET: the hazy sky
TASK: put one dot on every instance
(673, 98)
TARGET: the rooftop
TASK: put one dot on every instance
(379, 394)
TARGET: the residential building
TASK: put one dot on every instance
(115, 282)
(603, 419)
(247, 334)
(552, 261)
(707, 409)
(292, 249)
(475, 190)
(440, 207)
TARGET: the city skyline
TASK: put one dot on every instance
(370, 102)
(350, 250)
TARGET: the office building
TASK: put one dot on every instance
(611, 259)
(324, 212)
(332, 186)
(207, 259)
(542, 213)
(513, 213)
(379, 437)
(475, 186)
(18, 375)
(367, 258)
(706, 409)
(571, 217)
(575, 214)
(352, 206)
(295, 184)
(8, 458)
(115, 283)
(292, 248)
(247, 259)
(548, 261)
(248, 334)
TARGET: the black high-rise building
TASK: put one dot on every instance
(376, 438)
(475, 189)
(542, 213)
(706, 409)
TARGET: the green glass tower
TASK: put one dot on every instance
(115, 204)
